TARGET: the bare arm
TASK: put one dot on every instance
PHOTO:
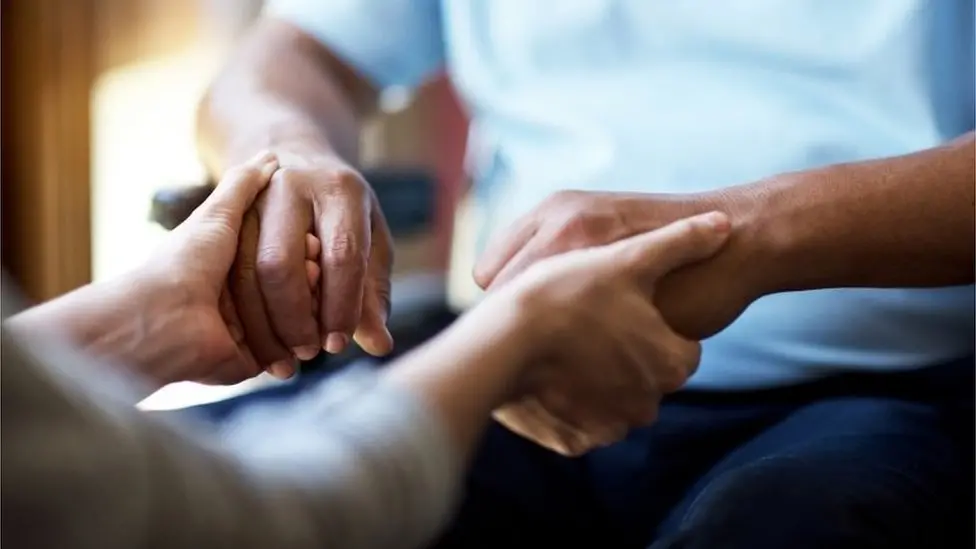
(282, 88)
(361, 461)
(906, 221)
(118, 322)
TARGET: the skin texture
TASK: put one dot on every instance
(170, 319)
(285, 93)
(905, 221)
(167, 322)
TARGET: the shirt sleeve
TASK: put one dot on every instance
(391, 42)
(355, 464)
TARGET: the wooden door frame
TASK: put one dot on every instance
(48, 69)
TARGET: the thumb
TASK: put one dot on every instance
(238, 190)
(685, 241)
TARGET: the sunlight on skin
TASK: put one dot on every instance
(143, 140)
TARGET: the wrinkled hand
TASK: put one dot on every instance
(189, 274)
(281, 316)
(603, 354)
(697, 301)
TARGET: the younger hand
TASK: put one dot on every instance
(604, 354)
(697, 302)
(190, 271)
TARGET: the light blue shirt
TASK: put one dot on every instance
(669, 96)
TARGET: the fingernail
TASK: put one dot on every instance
(282, 369)
(336, 342)
(307, 352)
(718, 221)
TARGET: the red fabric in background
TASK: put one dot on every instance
(450, 125)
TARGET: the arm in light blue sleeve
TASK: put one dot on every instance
(391, 42)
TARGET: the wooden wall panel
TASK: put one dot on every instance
(47, 70)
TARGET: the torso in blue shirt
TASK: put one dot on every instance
(667, 96)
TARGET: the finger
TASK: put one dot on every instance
(243, 365)
(283, 369)
(248, 301)
(285, 218)
(343, 226)
(531, 421)
(372, 333)
(676, 360)
(238, 189)
(225, 304)
(592, 425)
(537, 249)
(502, 248)
(659, 252)
(229, 372)
(312, 274)
(313, 247)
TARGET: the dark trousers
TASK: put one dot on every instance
(857, 460)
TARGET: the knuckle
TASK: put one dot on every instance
(561, 198)
(573, 227)
(288, 173)
(272, 266)
(346, 182)
(695, 230)
(283, 178)
(243, 172)
(343, 251)
(680, 363)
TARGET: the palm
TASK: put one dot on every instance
(208, 334)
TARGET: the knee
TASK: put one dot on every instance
(782, 502)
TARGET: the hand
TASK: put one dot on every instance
(320, 194)
(697, 301)
(602, 356)
(188, 274)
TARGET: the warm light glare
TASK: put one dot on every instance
(143, 119)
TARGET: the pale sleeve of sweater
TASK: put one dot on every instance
(354, 463)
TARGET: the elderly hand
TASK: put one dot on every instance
(314, 193)
(603, 354)
(185, 284)
(697, 301)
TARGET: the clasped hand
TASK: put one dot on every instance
(602, 354)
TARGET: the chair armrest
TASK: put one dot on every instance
(405, 195)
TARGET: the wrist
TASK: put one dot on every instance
(283, 132)
(505, 332)
(141, 327)
(756, 246)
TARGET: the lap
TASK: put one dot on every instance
(844, 472)
(844, 464)
(858, 462)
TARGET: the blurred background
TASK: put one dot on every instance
(98, 100)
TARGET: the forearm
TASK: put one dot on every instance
(100, 319)
(281, 91)
(469, 370)
(906, 221)
(359, 461)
